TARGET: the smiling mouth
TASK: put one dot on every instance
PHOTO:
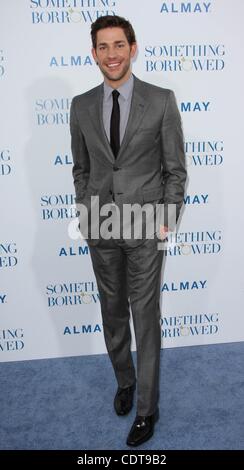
(114, 65)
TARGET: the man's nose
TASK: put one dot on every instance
(111, 52)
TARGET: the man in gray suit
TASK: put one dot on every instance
(127, 148)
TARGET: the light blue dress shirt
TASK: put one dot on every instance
(125, 97)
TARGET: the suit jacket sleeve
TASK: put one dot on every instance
(173, 157)
(81, 167)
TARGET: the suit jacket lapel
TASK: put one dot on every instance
(137, 111)
(96, 115)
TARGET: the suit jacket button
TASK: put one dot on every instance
(115, 168)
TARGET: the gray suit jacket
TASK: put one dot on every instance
(150, 165)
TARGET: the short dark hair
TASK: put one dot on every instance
(112, 21)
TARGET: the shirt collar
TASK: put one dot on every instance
(125, 90)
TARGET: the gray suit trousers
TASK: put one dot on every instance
(131, 276)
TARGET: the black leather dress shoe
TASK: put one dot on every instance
(142, 429)
(123, 400)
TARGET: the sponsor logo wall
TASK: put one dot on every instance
(49, 301)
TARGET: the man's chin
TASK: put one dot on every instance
(114, 78)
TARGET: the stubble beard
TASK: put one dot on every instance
(119, 77)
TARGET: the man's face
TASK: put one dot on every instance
(113, 55)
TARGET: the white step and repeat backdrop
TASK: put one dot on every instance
(49, 303)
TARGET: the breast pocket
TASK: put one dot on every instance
(147, 134)
(146, 130)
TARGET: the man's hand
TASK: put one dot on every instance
(163, 232)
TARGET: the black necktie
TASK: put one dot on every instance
(114, 124)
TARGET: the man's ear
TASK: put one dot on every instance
(94, 55)
(133, 49)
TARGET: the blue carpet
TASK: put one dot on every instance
(68, 403)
